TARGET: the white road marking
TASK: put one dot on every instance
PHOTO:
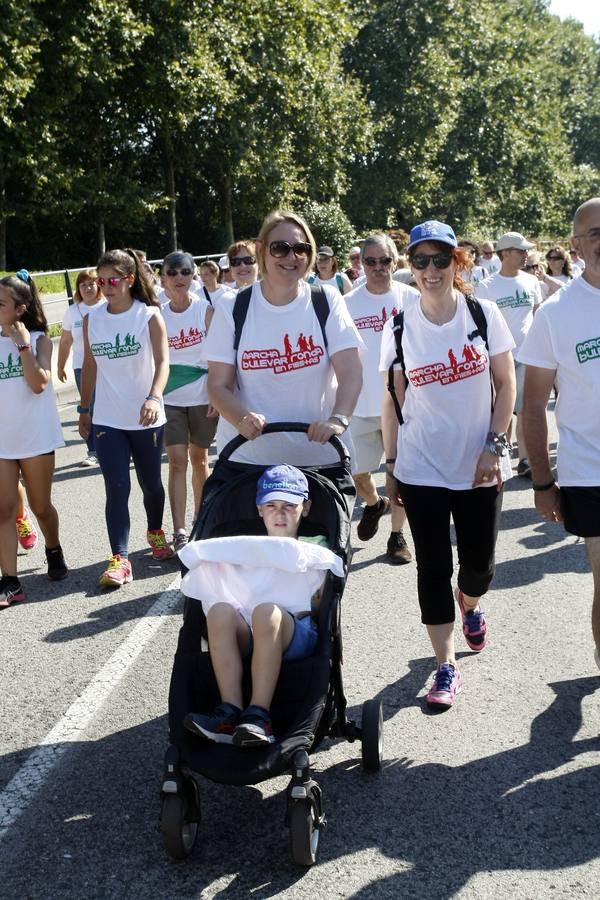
(22, 788)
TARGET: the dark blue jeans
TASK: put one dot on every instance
(90, 440)
(114, 450)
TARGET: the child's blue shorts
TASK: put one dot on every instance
(304, 640)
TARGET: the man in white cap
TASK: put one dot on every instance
(488, 259)
(563, 348)
(355, 269)
(518, 295)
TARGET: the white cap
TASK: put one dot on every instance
(224, 262)
(512, 240)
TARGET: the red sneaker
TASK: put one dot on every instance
(117, 573)
(26, 532)
(158, 542)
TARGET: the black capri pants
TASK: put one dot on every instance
(476, 515)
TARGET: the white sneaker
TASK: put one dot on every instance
(89, 461)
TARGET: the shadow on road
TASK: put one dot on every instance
(95, 822)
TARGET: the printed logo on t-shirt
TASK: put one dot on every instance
(182, 340)
(375, 323)
(587, 350)
(307, 354)
(13, 367)
(519, 298)
(128, 347)
(473, 363)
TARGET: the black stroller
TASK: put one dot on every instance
(309, 702)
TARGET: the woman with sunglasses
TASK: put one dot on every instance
(327, 271)
(190, 429)
(449, 457)
(126, 362)
(284, 369)
(534, 266)
(86, 297)
(559, 264)
(213, 290)
(243, 264)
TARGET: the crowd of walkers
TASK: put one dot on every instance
(419, 361)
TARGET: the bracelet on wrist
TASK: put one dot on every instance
(544, 487)
(498, 444)
(21, 347)
(83, 409)
(153, 397)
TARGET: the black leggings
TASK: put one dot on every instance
(476, 515)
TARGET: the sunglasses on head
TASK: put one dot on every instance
(113, 281)
(173, 272)
(377, 261)
(440, 260)
(242, 261)
(280, 249)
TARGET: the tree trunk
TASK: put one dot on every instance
(227, 208)
(101, 235)
(172, 223)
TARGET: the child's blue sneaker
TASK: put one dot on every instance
(217, 726)
(254, 729)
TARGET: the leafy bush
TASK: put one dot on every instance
(330, 225)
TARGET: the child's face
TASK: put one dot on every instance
(9, 312)
(283, 519)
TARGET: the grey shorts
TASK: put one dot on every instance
(189, 425)
(368, 443)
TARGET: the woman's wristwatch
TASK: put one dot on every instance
(341, 418)
(498, 444)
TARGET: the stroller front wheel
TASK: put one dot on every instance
(304, 832)
(372, 735)
(179, 824)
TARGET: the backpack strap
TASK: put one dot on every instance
(478, 316)
(398, 329)
(321, 307)
(206, 294)
(240, 311)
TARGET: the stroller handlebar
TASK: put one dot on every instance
(274, 428)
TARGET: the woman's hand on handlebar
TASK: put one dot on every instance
(251, 425)
(322, 431)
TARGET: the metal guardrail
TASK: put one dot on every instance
(54, 303)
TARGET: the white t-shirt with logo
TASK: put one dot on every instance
(335, 281)
(284, 371)
(121, 346)
(29, 422)
(186, 335)
(516, 297)
(474, 275)
(491, 265)
(565, 336)
(447, 406)
(73, 322)
(369, 313)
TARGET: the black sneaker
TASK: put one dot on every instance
(57, 567)
(255, 729)
(523, 468)
(217, 726)
(10, 591)
(369, 522)
(397, 552)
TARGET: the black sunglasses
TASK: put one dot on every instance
(530, 267)
(280, 249)
(377, 261)
(173, 272)
(556, 258)
(440, 260)
(242, 261)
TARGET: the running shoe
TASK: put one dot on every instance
(179, 541)
(369, 522)
(397, 552)
(255, 729)
(217, 726)
(523, 468)
(10, 592)
(89, 461)
(158, 542)
(57, 567)
(26, 532)
(447, 683)
(474, 626)
(118, 572)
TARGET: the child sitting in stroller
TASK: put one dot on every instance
(268, 631)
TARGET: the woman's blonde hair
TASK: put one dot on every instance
(85, 275)
(274, 219)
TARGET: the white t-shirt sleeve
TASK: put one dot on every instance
(499, 336)
(221, 334)
(67, 322)
(538, 347)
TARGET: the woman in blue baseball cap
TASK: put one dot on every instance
(454, 385)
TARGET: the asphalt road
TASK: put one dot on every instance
(495, 798)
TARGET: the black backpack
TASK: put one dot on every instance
(242, 302)
(480, 320)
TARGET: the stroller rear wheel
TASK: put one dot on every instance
(372, 735)
(179, 823)
(304, 832)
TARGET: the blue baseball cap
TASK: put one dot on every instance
(285, 483)
(432, 231)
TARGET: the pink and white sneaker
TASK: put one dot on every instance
(158, 542)
(474, 625)
(26, 532)
(447, 683)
